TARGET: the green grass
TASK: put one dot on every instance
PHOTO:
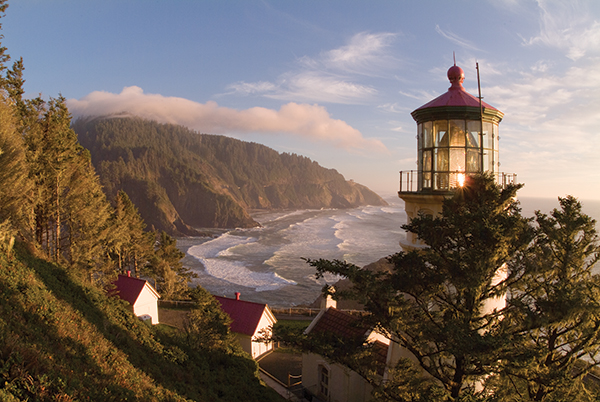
(296, 324)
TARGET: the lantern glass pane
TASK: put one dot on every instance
(457, 133)
(487, 161)
(441, 181)
(427, 135)
(457, 159)
(473, 127)
(487, 135)
(441, 159)
(427, 159)
(441, 133)
(427, 180)
(472, 160)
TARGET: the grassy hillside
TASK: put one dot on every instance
(62, 340)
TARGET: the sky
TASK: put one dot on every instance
(332, 80)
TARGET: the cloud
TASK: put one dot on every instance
(567, 25)
(308, 121)
(364, 54)
(330, 77)
(452, 37)
(549, 125)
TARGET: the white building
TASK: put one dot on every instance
(249, 321)
(141, 295)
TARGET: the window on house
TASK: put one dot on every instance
(324, 381)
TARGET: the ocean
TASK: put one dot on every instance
(266, 264)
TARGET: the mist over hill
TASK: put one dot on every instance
(181, 180)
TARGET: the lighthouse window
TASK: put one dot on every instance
(473, 128)
(496, 136)
(487, 135)
(457, 133)
(427, 135)
(441, 181)
(441, 133)
(472, 160)
(457, 159)
(487, 161)
(427, 161)
(441, 159)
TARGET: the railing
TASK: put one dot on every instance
(291, 377)
(413, 181)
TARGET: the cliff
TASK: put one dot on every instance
(181, 180)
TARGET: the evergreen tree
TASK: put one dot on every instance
(556, 310)
(434, 300)
(128, 243)
(172, 279)
(4, 57)
(15, 186)
(86, 217)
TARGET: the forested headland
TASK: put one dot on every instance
(181, 180)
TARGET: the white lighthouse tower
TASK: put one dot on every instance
(457, 135)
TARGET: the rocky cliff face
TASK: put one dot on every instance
(181, 180)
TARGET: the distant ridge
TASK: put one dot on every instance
(181, 180)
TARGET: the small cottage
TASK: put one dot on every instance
(330, 381)
(140, 294)
(249, 320)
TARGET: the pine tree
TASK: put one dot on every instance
(15, 186)
(171, 277)
(433, 301)
(556, 310)
(86, 217)
(129, 244)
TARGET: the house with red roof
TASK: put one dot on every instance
(249, 321)
(140, 294)
(328, 381)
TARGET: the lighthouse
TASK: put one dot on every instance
(457, 136)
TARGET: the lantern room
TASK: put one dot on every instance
(457, 135)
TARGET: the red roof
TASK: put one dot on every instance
(339, 323)
(456, 95)
(129, 288)
(245, 315)
(346, 325)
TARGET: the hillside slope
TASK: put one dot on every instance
(62, 340)
(181, 180)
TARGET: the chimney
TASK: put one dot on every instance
(327, 301)
(237, 295)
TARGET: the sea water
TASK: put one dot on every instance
(267, 265)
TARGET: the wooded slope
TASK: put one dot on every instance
(180, 179)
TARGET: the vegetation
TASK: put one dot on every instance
(180, 179)
(497, 307)
(62, 243)
(62, 339)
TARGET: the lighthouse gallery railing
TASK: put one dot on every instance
(412, 182)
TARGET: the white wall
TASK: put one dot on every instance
(345, 385)
(147, 304)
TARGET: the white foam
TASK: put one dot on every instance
(216, 254)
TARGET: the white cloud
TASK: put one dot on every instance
(452, 37)
(550, 124)
(309, 121)
(332, 76)
(567, 25)
(364, 54)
